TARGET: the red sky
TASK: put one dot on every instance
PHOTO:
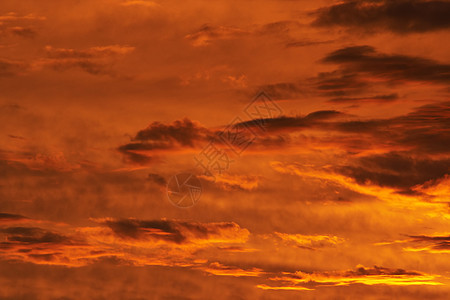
(343, 193)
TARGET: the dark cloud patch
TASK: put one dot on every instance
(305, 43)
(284, 122)
(158, 179)
(10, 68)
(94, 52)
(283, 90)
(359, 275)
(95, 60)
(168, 230)
(158, 136)
(11, 217)
(430, 243)
(43, 257)
(209, 33)
(426, 130)
(12, 24)
(32, 235)
(25, 32)
(430, 238)
(392, 67)
(184, 132)
(88, 66)
(277, 28)
(374, 99)
(404, 16)
(396, 170)
(339, 83)
(379, 271)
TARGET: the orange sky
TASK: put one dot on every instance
(341, 191)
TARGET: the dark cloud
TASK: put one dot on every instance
(339, 83)
(13, 217)
(284, 122)
(10, 68)
(168, 230)
(374, 99)
(425, 130)
(282, 90)
(431, 238)
(90, 67)
(26, 32)
(429, 243)
(396, 170)
(379, 271)
(360, 275)
(95, 60)
(183, 132)
(208, 33)
(93, 52)
(280, 27)
(158, 136)
(305, 43)
(404, 16)
(158, 179)
(392, 67)
(32, 235)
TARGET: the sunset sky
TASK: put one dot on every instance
(339, 189)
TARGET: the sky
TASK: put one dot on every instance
(271, 149)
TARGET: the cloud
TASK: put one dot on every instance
(178, 232)
(222, 270)
(229, 182)
(23, 31)
(10, 68)
(395, 68)
(32, 235)
(5, 218)
(371, 99)
(431, 244)
(360, 275)
(41, 246)
(208, 33)
(306, 42)
(95, 60)
(419, 142)
(435, 244)
(16, 25)
(140, 3)
(128, 241)
(38, 162)
(312, 242)
(283, 122)
(424, 131)
(158, 179)
(339, 83)
(283, 90)
(93, 52)
(12, 16)
(157, 136)
(405, 16)
(396, 170)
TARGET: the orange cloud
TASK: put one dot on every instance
(222, 270)
(361, 275)
(134, 242)
(310, 241)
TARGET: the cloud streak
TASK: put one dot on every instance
(406, 16)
